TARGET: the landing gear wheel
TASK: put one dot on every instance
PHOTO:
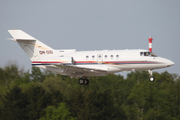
(151, 79)
(86, 81)
(81, 81)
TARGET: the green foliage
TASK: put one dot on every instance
(46, 95)
(59, 113)
(14, 105)
(91, 104)
(9, 74)
(38, 101)
(37, 75)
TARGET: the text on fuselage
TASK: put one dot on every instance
(45, 52)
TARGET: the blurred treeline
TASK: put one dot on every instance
(44, 95)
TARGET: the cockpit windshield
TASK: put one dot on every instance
(147, 54)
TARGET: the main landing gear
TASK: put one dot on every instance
(151, 78)
(82, 81)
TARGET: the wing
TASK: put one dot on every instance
(68, 69)
(78, 71)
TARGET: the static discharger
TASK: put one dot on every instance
(150, 44)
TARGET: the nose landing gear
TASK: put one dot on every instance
(151, 78)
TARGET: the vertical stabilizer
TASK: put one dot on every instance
(34, 49)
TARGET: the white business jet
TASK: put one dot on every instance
(84, 64)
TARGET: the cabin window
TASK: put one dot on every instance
(99, 56)
(117, 56)
(87, 57)
(111, 56)
(93, 57)
(105, 56)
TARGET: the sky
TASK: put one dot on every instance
(92, 25)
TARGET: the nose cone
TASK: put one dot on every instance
(169, 62)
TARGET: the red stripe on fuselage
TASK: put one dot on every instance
(85, 61)
(128, 62)
(45, 62)
(115, 62)
(105, 62)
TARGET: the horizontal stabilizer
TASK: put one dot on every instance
(20, 39)
(20, 35)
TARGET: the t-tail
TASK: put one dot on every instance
(34, 49)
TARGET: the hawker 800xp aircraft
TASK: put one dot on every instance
(84, 64)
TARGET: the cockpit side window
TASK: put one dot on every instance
(152, 54)
(147, 54)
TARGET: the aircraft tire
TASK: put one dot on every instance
(81, 81)
(86, 81)
(151, 79)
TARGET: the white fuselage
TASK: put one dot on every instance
(98, 63)
(118, 60)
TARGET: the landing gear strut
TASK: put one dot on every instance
(151, 78)
(82, 81)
